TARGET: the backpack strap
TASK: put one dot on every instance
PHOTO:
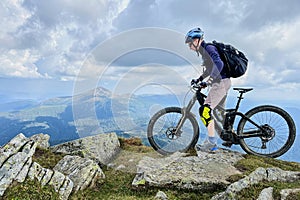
(220, 46)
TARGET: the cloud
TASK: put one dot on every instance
(57, 39)
(59, 34)
(262, 13)
(19, 64)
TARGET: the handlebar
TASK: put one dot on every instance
(198, 86)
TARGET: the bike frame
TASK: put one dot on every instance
(230, 114)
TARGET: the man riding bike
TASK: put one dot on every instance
(218, 80)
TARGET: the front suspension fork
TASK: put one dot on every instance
(185, 112)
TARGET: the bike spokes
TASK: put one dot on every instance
(274, 135)
(165, 136)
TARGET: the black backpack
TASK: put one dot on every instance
(234, 60)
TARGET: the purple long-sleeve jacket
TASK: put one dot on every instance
(213, 62)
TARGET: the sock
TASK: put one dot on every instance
(212, 140)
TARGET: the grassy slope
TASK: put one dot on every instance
(117, 184)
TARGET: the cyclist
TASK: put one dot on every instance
(218, 80)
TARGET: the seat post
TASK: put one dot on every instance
(241, 91)
(240, 97)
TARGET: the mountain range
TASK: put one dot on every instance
(98, 111)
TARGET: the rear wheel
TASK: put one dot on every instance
(278, 135)
(162, 131)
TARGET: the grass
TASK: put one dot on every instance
(254, 191)
(46, 158)
(117, 184)
(250, 163)
(30, 190)
(134, 145)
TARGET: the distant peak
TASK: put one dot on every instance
(100, 91)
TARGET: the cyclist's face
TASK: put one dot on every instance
(194, 45)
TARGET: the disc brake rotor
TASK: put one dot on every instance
(269, 133)
(171, 133)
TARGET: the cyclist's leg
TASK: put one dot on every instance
(215, 96)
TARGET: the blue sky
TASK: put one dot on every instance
(61, 47)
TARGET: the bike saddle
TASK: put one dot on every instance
(243, 90)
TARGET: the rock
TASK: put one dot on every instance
(61, 183)
(12, 147)
(266, 194)
(161, 196)
(66, 188)
(42, 140)
(255, 177)
(15, 163)
(277, 174)
(188, 172)
(260, 174)
(47, 176)
(102, 148)
(82, 171)
(57, 180)
(34, 170)
(24, 172)
(286, 192)
(121, 167)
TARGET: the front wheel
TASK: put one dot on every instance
(278, 133)
(164, 137)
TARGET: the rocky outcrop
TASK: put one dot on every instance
(260, 174)
(15, 157)
(60, 182)
(266, 194)
(42, 140)
(82, 171)
(102, 148)
(74, 173)
(71, 174)
(205, 171)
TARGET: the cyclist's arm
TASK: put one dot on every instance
(217, 62)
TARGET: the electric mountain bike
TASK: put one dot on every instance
(265, 130)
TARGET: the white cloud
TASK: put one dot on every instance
(58, 34)
(19, 64)
(52, 39)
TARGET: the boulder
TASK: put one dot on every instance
(259, 175)
(12, 147)
(60, 182)
(82, 171)
(72, 173)
(42, 140)
(102, 147)
(204, 172)
(266, 194)
(160, 195)
(15, 163)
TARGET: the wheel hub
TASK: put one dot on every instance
(268, 133)
(171, 133)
